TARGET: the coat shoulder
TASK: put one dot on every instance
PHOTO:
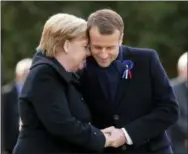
(139, 51)
(41, 70)
(39, 75)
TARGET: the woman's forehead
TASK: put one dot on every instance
(82, 40)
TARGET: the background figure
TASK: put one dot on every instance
(179, 132)
(181, 69)
(10, 117)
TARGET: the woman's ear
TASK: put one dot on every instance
(66, 46)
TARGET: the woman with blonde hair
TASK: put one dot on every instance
(55, 118)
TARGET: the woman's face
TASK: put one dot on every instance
(78, 51)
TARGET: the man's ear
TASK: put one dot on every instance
(66, 46)
(121, 39)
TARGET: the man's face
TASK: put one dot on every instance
(104, 48)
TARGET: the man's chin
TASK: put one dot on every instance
(104, 65)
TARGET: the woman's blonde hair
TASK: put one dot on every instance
(59, 28)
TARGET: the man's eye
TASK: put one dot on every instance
(97, 47)
(110, 48)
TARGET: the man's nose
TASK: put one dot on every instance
(103, 53)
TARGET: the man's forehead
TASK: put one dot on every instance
(101, 39)
(94, 31)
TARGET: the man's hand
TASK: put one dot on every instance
(114, 137)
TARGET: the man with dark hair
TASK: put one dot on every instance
(127, 88)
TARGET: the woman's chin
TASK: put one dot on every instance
(79, 67)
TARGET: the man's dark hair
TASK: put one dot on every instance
(106, 20)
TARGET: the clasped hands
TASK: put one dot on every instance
(115, 137)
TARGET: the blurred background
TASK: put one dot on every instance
(162, 26)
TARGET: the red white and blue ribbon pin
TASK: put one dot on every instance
(128, 65)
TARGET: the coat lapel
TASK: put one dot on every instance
(97, 82)
(124, 84)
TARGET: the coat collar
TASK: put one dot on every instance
(40, 58)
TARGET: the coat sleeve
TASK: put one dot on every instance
(51, 104)
(166, 109)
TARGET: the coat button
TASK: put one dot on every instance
(116, 117)
(123, 147)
